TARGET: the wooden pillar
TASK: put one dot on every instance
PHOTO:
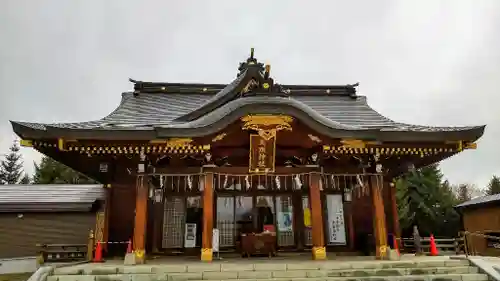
(376, 184)
(157, 222)
(350, 225)
(394, 210)
(208, 217)
(102, 219)
(141, 218)
(318, 240)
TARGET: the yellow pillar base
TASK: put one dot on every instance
(206, 254)
(140, 256)
(319, 253)
(381, 253)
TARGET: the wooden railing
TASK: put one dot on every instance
(444, 245)
(473, 241)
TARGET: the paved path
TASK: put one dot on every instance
(18, 265)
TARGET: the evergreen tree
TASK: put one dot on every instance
(11, 168)
(426, 201)
(493, 186)
(25, 180)
(50, 171)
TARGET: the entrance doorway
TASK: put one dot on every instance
(241, 214)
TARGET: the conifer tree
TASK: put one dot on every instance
(11, 167)
(493, 186)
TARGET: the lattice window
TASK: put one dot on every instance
(285, 221)
(173, 222)
(225, 221)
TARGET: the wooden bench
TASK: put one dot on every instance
(62, 252)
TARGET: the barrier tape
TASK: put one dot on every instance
(111, 242)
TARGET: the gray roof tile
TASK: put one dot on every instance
(480, 200)
(52, 197)
(144, 111)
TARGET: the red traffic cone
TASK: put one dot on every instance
(129, 246)
(98, 253)
(433, 248)
(395, 242)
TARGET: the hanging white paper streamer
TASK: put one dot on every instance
(247, 182)
(225, 182)
(278, 182)
(190, 182)
(298, 183)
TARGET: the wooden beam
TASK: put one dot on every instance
(208, 217)
(376, 185)
(318, 240)
(141, 209)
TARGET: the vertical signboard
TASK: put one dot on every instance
(262, 153)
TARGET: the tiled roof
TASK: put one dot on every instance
(145, 111)
(190, 110)
(55, 197)
(480, 200)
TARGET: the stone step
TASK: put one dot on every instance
(469, 272)
(352, 273)
(154, 277)
(108, 269)
(437, 277)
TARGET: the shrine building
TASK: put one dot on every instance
(270, 167)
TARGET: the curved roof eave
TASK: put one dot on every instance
(219, 118)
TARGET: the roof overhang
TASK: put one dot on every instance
(230, 112)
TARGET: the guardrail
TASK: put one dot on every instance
(444, 245)
(472, 244)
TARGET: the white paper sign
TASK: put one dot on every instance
(215, 240)
(285, 221)
(336, 225)
(190, 235)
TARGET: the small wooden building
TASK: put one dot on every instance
(481, 215)
(310, 164)
(46, 214)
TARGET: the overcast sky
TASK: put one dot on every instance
(423, 62)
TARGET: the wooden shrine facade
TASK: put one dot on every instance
(311, 165)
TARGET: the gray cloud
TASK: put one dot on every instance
(426, 62)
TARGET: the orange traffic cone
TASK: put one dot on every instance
(129, 246)
(98, 253)
(395, 242)
(433, 248)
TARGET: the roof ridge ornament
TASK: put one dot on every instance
(251, 62)
(351, 89)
